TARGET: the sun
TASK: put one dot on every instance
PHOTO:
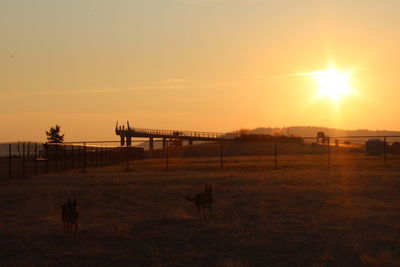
(332, 83)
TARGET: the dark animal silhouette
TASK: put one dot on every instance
(69, 216)
(203, 201)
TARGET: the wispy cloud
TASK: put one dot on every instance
(288, 75)
(161, 85)
(75, 92)
(98, 90)
(112, 90)
(168, 84)
(284, 75)
(310, 73)
(169, 81)
(198, 1)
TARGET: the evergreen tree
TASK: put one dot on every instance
(54, 136)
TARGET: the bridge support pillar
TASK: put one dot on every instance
(190, 142)
(164, 143)
(129, 141)
(122, 140)
(151, 143)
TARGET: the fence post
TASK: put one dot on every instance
(9, 161)
(329, 152)
(65, 156)
(101, 156)
(56, 157)
(127, 157)
(23, 160)
(79, 156)
(72, 156)
(167, 155)
(221, 155)
(84, 157)
(106, 155)
(89, 157)
(35, 162)
(116, 155)
(276, 154)
(121, 155)
(92, 156)
(47, 157)
(96, 156)
(384, 152)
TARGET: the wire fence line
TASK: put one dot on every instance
(27, 159)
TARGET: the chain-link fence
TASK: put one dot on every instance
(26, 159)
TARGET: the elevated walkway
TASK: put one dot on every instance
(127, 133)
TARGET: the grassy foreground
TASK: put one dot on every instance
(299, 215)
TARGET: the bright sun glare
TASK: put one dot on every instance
(332, 83)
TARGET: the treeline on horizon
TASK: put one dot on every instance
(311, 131)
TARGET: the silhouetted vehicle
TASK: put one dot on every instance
(395, 148)
(374, 147)
(176, 141)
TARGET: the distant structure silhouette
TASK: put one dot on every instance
(172, 136)
(321, 138)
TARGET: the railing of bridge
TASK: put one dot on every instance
(184, 134)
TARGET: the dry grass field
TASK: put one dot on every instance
(299, 215)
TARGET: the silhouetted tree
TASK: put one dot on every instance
(54, 136)
(243, 132)
(29, 147)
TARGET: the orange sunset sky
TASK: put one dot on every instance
(208, 65)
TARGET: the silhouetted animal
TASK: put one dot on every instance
(203, 200)
(69, 216)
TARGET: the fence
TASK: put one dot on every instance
(26, 159)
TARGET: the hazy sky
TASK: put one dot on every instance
(211, 65)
